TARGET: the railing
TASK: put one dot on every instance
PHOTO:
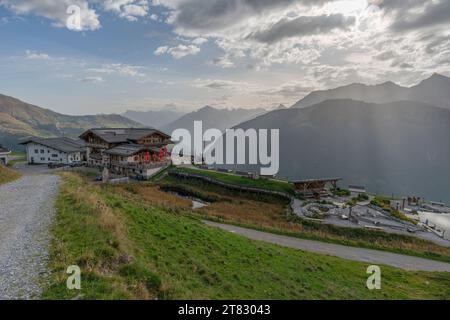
(140, 166)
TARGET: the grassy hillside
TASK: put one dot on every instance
(129, 248)
(8, 175)
(274, 185)
(19, 119)
(274, 215)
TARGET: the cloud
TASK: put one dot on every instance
(55, 10)
(230, 85)
(302, 26)
(179, 51)
(224, 62)
(33, 55)
(119, 69)
(199, 41)
(218, 84)
(213, 15)
(386, 55)
(266, 31)
(91, 80)
(416, 14)
(161, 50)
(130, 10)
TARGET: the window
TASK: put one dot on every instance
(36, 151)
(54, 156)
(42, 150)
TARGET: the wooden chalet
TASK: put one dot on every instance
(127, 150)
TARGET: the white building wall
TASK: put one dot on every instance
(4, 158)
(39, 154)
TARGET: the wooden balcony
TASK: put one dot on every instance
(140, 165)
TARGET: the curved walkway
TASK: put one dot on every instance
(350, 253)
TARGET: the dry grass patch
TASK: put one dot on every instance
(8, 175)
(153, 195)
(270, 215)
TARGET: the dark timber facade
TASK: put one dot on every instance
(127, 151)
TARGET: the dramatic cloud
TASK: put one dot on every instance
(278, 50)
(212, 15)
(302, 26)
(416, 14)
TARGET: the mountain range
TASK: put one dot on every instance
(434, 90)
(154, 119)
(396, 148)
(213, 118)
(19, 119)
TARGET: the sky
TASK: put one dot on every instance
(185, 54)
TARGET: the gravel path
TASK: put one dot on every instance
(26, 211)
(350, 253)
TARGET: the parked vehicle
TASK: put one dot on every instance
(139, 178)
(99, 178)
(76, 164)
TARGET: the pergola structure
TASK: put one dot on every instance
(314, 187)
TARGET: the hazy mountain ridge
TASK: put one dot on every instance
(156, 119)
(400, 147)
(213, 118)
(19, 119)
(434, 90)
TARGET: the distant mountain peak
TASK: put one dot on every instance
(207, 108)
(435, 91)
(438, 77)
(389, 84)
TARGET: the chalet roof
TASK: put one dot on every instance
(61, 144)
(122, 135)
(130, 149)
